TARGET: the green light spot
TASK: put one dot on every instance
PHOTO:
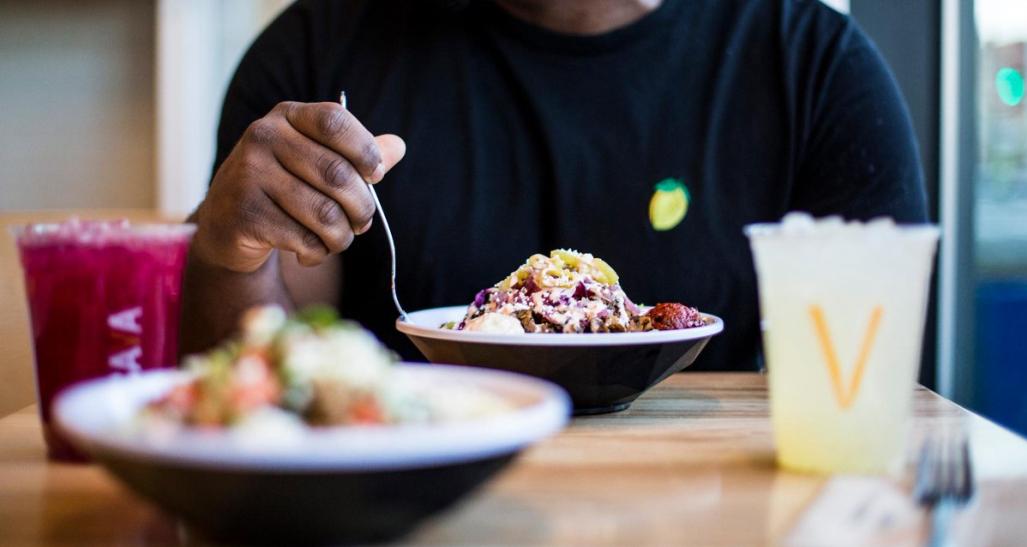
(1009, 84)
(669, 185)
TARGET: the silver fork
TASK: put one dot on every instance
(388, 233)
(944, 482)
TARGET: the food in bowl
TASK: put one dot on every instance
(568, 292)
(311, 370)
(346, 485)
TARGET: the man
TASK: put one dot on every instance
(529, 125)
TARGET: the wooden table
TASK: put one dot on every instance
(690, 463)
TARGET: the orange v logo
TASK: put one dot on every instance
(845, 394)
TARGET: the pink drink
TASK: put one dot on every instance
(104, 299)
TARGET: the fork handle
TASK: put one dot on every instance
(941, 521)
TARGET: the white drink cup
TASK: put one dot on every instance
(842, 308)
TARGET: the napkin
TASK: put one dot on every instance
(859, 511)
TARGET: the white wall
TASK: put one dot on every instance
(199, 43)
(85, 86)
(76, 104)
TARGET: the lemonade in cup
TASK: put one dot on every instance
(842, 306)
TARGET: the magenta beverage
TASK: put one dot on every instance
(104, 299)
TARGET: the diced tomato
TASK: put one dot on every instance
(180, 400)
(366, 411)
(254, 384)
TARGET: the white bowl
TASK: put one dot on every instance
(428, 324)
(603, 372)
(327, 485)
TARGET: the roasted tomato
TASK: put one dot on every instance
(673, 316)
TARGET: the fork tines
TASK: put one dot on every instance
(944, 471)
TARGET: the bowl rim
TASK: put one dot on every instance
(338, 449)
(410, 328)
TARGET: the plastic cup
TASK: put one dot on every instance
(104, 298)
(842, 308)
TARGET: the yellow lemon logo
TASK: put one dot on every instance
(668, 205)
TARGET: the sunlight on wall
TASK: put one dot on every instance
(199, 42)
(1001, 20)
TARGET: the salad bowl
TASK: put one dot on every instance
(323, 485)
(602, 372)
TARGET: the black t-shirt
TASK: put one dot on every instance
(521, 140)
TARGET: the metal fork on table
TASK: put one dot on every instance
(944, 482)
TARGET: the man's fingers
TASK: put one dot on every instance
(327, 172)
(393, 149)
(336, 128)
(319, 214)
(280, 231)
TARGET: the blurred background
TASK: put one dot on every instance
(113, 104)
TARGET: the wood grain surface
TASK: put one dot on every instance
(690, 463)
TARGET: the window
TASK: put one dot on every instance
(1000, 212)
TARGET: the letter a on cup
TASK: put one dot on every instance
(126, 320)
(127, 360)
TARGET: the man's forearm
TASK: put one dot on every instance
(213, 299)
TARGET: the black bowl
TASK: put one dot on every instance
(331, 486)
(602, 372)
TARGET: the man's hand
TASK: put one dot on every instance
(296, 181)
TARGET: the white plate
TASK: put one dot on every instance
(98, 416)
(426, 323)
